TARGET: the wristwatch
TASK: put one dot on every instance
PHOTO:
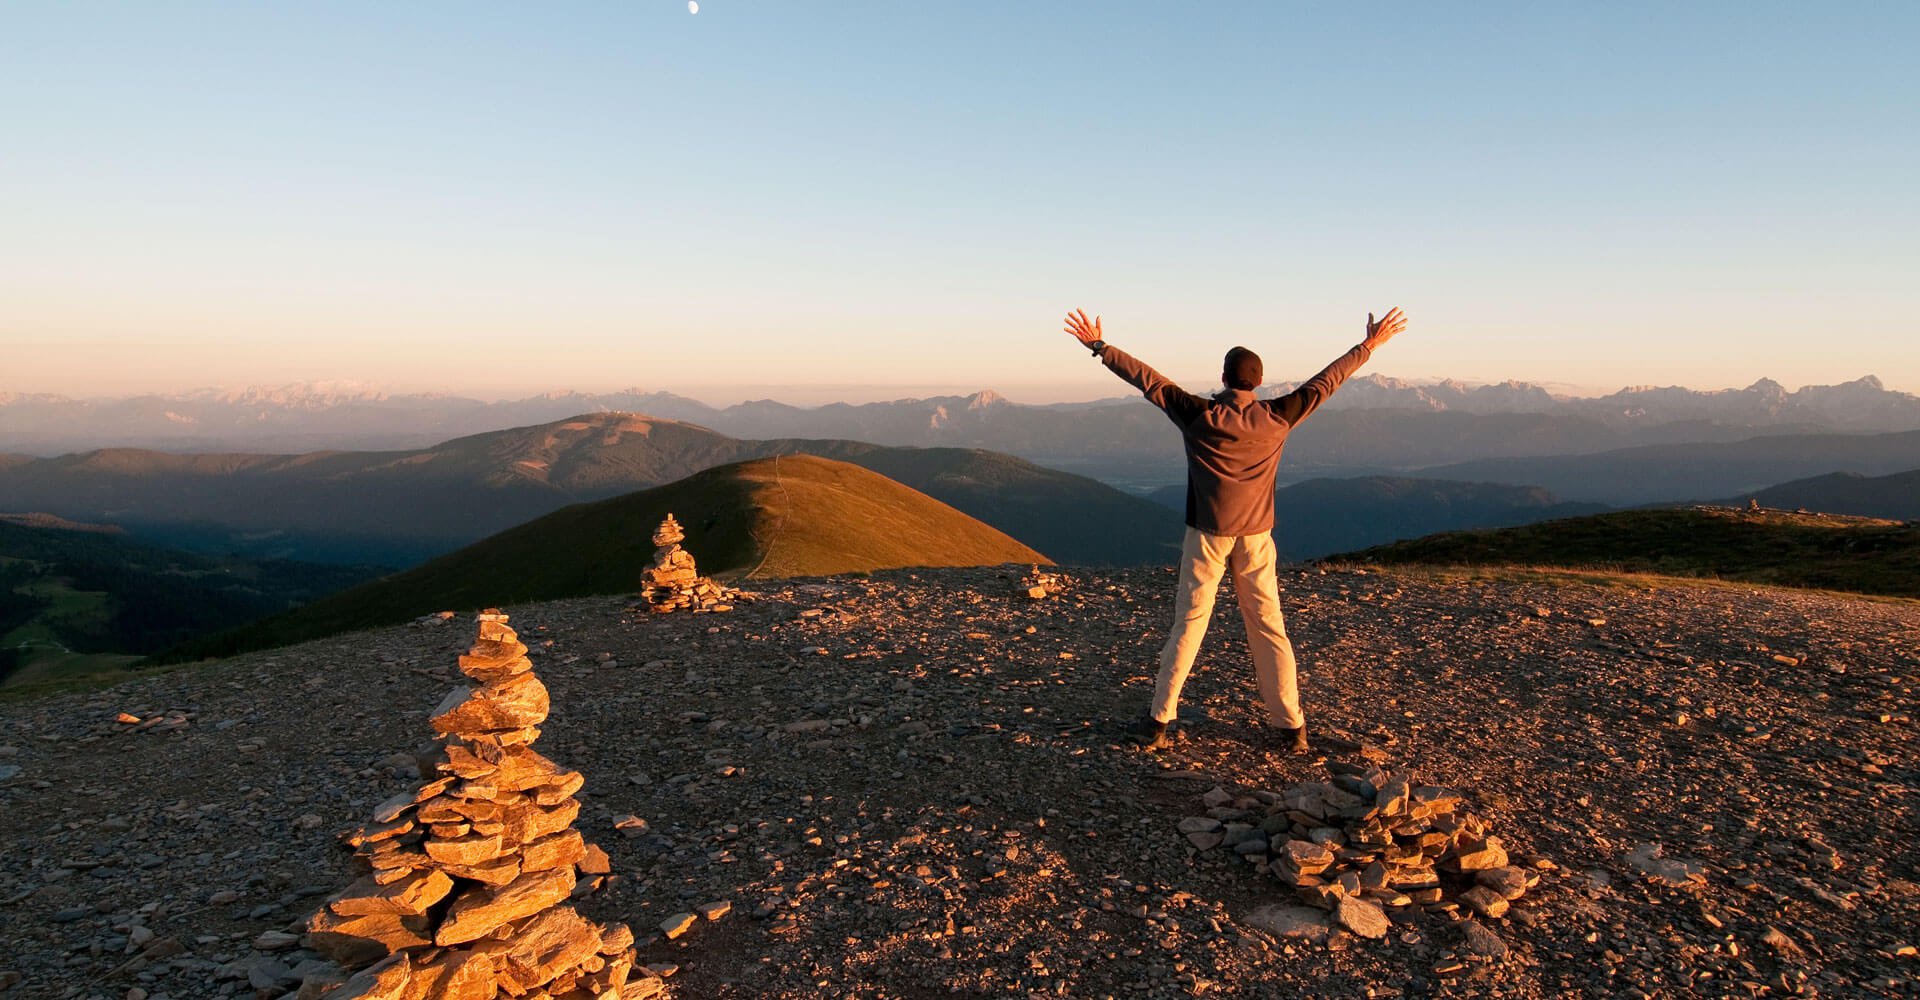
(1097, 346)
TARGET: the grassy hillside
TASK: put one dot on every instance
(794, 515)
(76, 599)
(1074, 519)
(1862, 555)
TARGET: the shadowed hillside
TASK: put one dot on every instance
(1896, 496)
(78, 598)
(1770, 547)
(795, 515)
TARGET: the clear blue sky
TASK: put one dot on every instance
(503, 197)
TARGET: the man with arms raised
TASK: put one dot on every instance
(1233, 443)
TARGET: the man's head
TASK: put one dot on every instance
(1242, 369)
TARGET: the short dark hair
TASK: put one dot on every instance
(1242, 369)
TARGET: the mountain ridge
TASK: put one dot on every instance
(312, 416)
(1669, 472)
(1895, 496)
(341, 505)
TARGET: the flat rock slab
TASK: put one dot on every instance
(528, 824)
(1509, 882)
(549, 944)
(1302, 922)
(1670, 871)
(411, 895)
(1482, 943)
(473, 849)
(564, 848)
(1485, 901)
(356, 940)
(518, 702)
(1478, 855)
(1361, 917)
(478, 912)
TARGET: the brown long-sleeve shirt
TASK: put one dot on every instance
(1233, 439)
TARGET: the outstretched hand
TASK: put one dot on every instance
(1385, 329)
(1082, 330)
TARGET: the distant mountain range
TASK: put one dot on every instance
(1322, 516)
(796, 515)
(1695, 470)
(1375, 424)
(398, 508)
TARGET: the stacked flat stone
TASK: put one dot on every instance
(467, 878)
(1040, 586)
(673, 582)
(1365, 842)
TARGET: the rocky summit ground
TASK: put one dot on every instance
(899, 786)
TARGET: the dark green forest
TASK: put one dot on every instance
(101, 592)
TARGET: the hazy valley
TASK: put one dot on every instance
(1455, 458)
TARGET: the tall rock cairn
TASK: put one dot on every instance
(466, 879)
(673, 581)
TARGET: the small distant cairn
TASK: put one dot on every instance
(673, 582)
(1039, 586)
(1364, 843)
(467, 879)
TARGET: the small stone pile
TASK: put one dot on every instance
(467, 878)
(147, 721)
(1366, 842)
(1040, 586)
(673, 582)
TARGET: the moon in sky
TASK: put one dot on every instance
(693, 6)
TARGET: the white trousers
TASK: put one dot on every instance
(1204, 559)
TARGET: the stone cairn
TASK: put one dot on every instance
(1039, 586)
(1366, 842)
(673, 582)
(466, 879)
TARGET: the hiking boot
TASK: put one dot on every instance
(1290, 740)
(1147, 733)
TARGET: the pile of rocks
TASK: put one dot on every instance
(673, 582)
(143, 720)
(1040, 586)
(467, 877)
(1364, 844)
